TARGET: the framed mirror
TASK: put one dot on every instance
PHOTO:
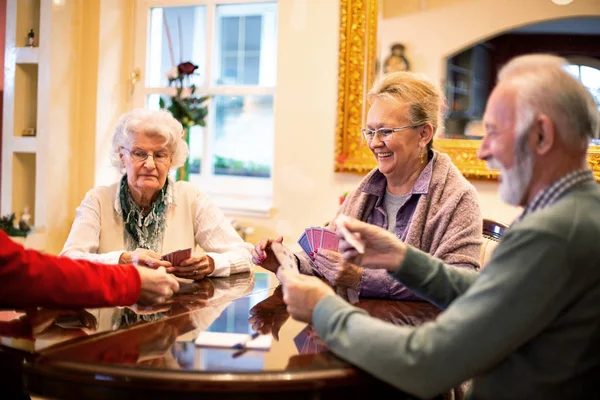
(356, 73)
(467, 80)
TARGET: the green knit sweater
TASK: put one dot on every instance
(526, 327)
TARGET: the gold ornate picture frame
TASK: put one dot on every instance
(357, 58)
(356, 73)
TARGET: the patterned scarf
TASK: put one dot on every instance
(143, 231)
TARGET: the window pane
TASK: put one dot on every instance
(590, 77)
(243, 135)
(175, 35)
(196, 146)
(573, 70)
(246, 44)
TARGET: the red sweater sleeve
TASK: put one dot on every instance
(30, 278)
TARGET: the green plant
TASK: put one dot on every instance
(231, 166)
(185, 107)
(7, 224)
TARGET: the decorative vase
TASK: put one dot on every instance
(183, 172)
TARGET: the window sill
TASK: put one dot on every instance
(247, 206)
(251, 197)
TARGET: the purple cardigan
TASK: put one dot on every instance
(441, 217)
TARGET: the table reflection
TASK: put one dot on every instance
(36, 330)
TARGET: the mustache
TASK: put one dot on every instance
(493, 164)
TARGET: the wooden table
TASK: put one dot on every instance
(147, 353)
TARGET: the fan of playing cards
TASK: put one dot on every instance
(318, 238)
(177, 257)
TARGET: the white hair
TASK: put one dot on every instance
(153, 123)
(544, 86)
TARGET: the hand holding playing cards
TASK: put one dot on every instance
(336, 270)
(382, 248)
(157, 286)
(195, 267)
(301, 293)
(143, 258)
(263, 255)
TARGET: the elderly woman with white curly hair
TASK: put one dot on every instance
(146, 214)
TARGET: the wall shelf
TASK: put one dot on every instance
(24, 144)
(27, 55)
(21, 155)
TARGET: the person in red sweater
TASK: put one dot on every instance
(29, 278)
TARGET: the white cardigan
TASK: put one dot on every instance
(192, 219)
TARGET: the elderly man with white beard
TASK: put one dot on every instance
(528, 325)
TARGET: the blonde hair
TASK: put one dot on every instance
(153, 123)
(426, 101)
(544, 86)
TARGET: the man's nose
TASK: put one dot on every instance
(483, 153)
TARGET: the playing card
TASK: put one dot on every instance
(309, 234)
(329, 240)
(303, 242)
(177, 257)
(348, 236)
(285, 257)
(317, 235)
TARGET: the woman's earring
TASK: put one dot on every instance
(422, 157)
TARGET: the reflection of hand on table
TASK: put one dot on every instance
(199, 290)
(269, 315)
(60, 324)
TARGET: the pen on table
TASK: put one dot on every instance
(242, 345)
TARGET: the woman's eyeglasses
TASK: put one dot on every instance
(138, 156)
(383, 133)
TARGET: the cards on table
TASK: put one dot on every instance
(177, 257)
(318, 238)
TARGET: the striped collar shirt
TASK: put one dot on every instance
(556, 190)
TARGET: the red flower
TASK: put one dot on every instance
(341, 158)
(186, 68)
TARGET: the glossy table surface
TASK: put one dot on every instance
(89, 353)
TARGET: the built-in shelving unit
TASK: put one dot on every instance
(20, 166)
(467, 82)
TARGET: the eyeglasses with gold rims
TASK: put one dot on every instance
(384, 133)
(139, 155)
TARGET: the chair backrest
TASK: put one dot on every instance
(492, 233)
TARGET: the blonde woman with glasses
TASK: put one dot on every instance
(146, 214)
(415, 192)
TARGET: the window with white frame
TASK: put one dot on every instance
(587, 71)
(235, 47)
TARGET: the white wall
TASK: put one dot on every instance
(306, 190)
(431, 30)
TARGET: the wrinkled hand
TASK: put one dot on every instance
(263, 255)
(382, 248)
(268, 316)
(336, 270)
(301, 293)
(157, 285)
(195, 267)
(143, 258)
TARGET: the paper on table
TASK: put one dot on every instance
(230, 340)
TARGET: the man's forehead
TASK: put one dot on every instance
(501, 106)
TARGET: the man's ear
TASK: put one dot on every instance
(426, 134)
(545, 132)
